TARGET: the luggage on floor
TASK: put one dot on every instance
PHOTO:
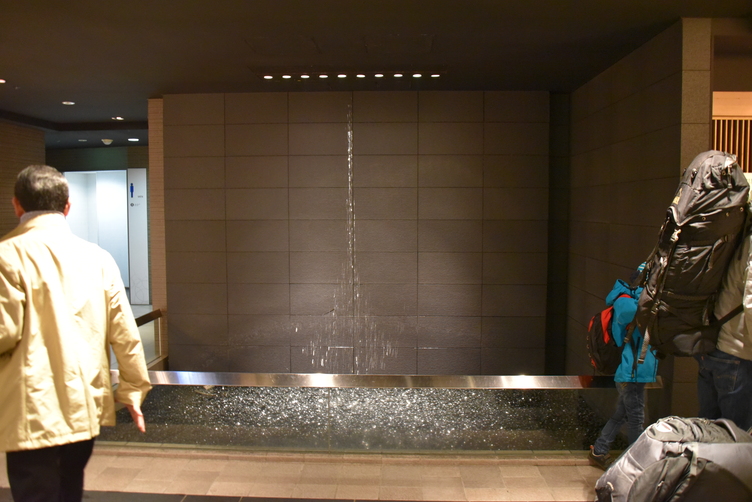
(682, 459)
(703, 226)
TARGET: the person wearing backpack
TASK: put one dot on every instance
(630, 377)
(724, 383)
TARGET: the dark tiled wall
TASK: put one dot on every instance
(19, 147)
(450, 195)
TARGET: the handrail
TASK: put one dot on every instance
(147, 318)
(323, 380)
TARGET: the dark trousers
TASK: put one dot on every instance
(52, 474)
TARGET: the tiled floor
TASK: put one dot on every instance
(229, 475)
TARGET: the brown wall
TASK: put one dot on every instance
(451, 210)
(19, 147)
(634, 129)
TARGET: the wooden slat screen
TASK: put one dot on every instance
(733, 136)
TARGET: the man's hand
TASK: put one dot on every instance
(137, 416)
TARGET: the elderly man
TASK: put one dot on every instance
(62, 306)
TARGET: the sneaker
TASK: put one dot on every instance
(599, 461)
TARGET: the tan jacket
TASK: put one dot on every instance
(735, 337)
(62, 306)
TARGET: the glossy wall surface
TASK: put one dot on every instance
(450, 196)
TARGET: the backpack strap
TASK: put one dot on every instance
(660, 282)
(628, 339)
(737, 310)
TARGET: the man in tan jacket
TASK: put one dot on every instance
(62, 306)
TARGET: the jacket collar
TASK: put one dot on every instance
(39, 220)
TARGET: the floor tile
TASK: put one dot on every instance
(486, 494)
(357, 492)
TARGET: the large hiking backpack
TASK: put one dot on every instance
(703, 227)
(682, 459)
(605, 355)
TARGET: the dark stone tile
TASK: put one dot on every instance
(194, 204)
(255, 139)
(318, 235)
(257, 204)
(262, 171)
(386, 203)
(450, 170)
(318, 171)
(318, 203)
(195, 235)
(198, 329)
(450, 235)
(386, 138)
(318, 139)
(255, 107)
(388, 235)
(257, 235)
(451, 203)
(194, 141)
(446, 138)
(259, 267)
(190, 109)
(260, 359)
(454, 361)
(194, 172)
(385, 171)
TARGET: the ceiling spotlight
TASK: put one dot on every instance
(323, 76)
(118, 118)
(417, 75)
(286, 76)
(360, 75)
(2, 80)
(268, 77)
(397, 75)
(341, 75)
(435, 75)
(107, 141)
(83, 140)
(68, 103)
(379, 75)
(304, 76)
(132, 139)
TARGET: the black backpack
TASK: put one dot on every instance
(605, 355)
(703, 227)
(682, 459)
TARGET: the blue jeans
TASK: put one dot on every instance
(724, 388)
(630, 408)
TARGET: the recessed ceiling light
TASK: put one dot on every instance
(2, 80)
(268, 77)
(379, 75)
(69, 103)
(304, 76)
(341, 75)
(106, 141)
(83, 140)
(286, 76)
(435, 75)
(118, 118)
(360, 75)
(132, 139)
(417, 75)
(397, 75)
(323, 76)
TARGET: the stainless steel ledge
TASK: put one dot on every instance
(323, 380)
